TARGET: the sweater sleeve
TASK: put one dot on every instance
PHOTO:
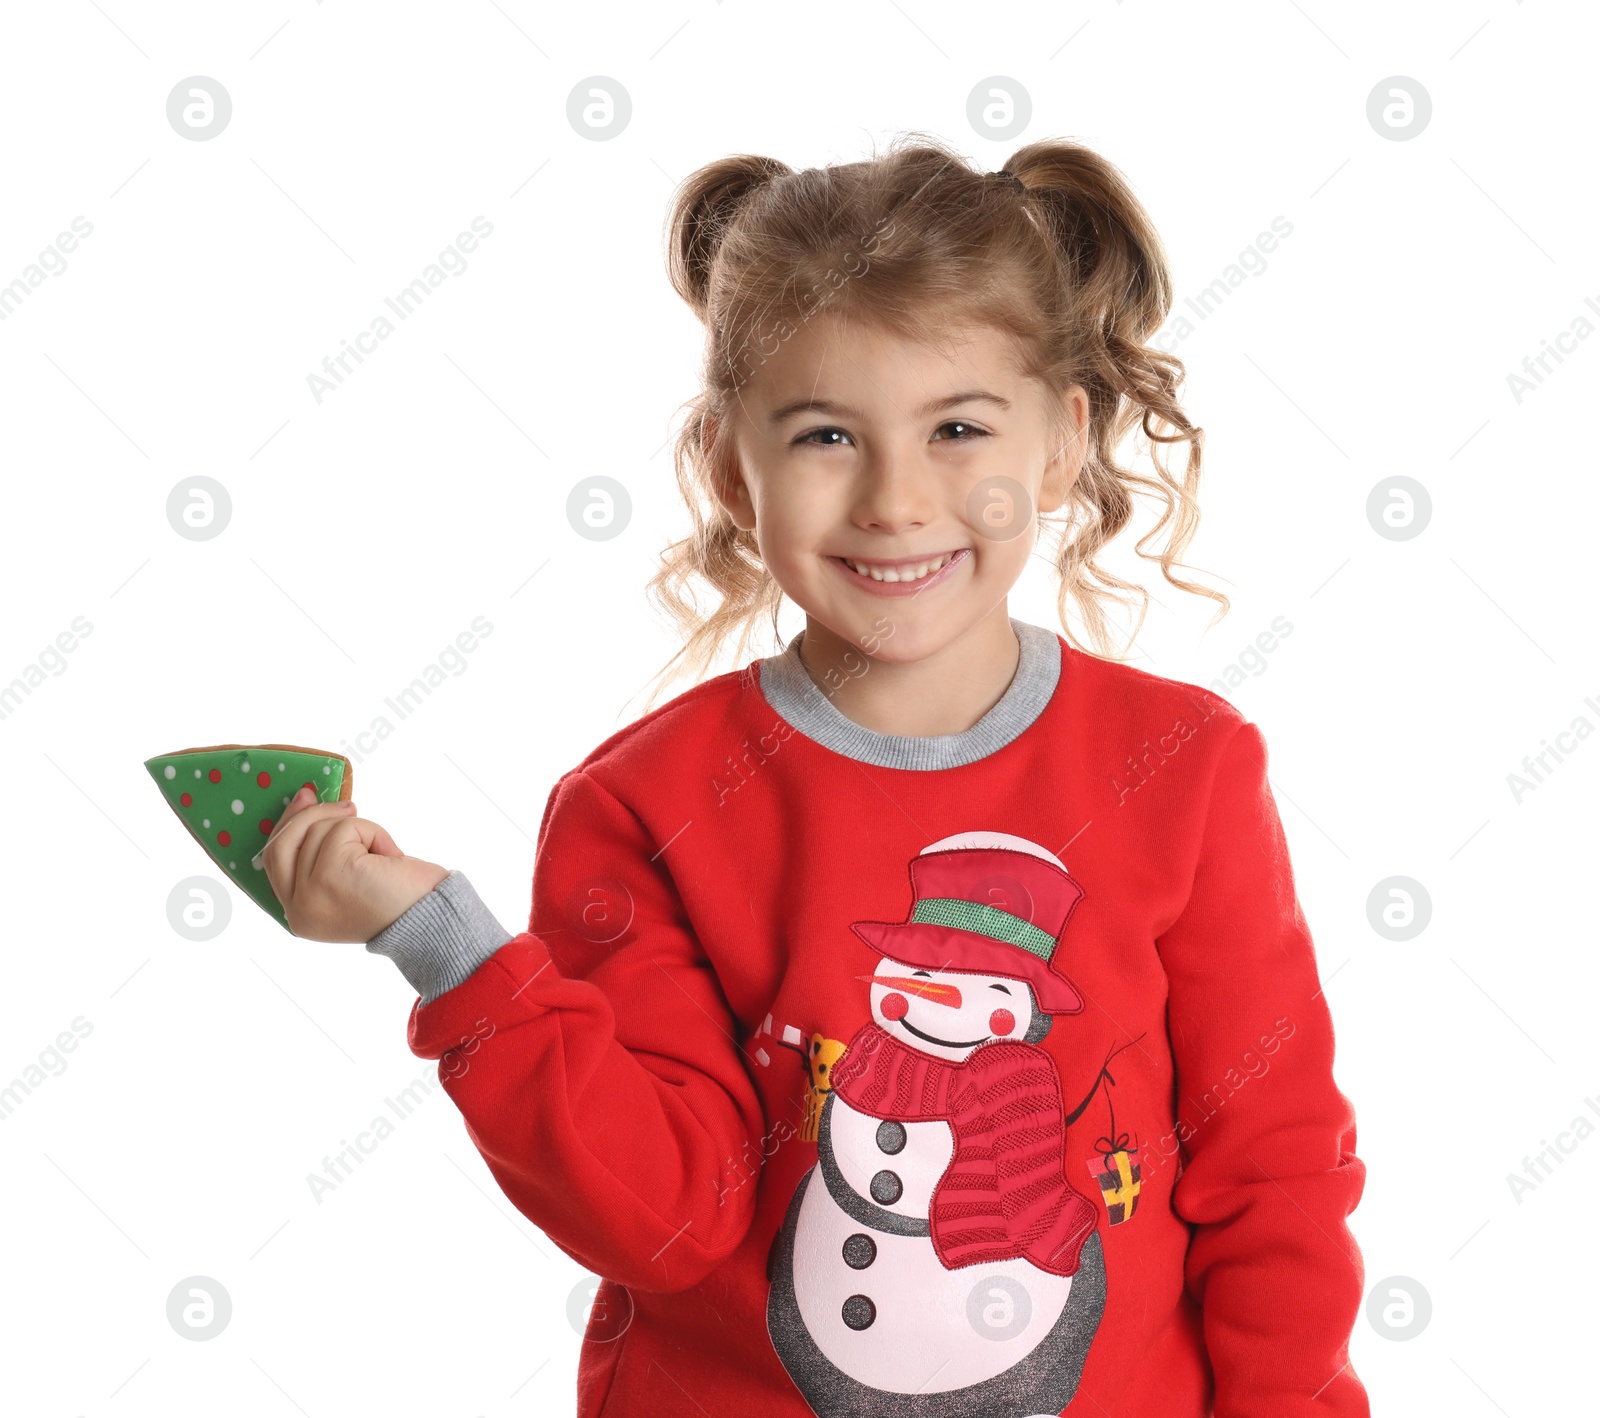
(1270, 1168)
(593, 1056)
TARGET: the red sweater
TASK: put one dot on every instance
(1103, 951)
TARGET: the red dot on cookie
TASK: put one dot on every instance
(223, 839)
(187, 800)
(266, 827)
(263, 780)
(312, 786)
(215, 775)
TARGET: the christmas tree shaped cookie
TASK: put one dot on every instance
(229, 796)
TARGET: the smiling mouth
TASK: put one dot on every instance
(900, 572)
(933, 1039)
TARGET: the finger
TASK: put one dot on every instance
(277, 856)
(286, 838)
(289, 809)
(333, 824)
(302, 801)
(377, 841)
(333, 849)
(285, 841)
(303, 798)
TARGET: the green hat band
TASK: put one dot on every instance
(985, 920)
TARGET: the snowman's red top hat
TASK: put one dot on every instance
(991, 910)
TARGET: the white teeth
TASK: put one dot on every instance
(913, 572)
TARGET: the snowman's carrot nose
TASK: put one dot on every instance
(935, 990)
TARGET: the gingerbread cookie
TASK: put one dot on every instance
(230, 795)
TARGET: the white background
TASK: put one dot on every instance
(368, 530)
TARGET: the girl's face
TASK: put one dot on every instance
(891, 487)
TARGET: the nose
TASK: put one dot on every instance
(935, 991)
(892, 493)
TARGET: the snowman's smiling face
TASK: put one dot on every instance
(949, 1013)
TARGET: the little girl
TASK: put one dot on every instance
(919, 1022)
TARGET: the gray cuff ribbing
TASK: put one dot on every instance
(441, 939)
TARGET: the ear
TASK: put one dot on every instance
(1071, 411)
(728, 481)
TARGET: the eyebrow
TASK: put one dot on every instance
(830, 406)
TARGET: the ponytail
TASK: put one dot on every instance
(1119, 292)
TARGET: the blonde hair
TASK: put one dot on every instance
(1053, 248)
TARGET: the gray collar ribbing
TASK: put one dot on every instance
(803, 704)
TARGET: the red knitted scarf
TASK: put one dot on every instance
(1005, 1193)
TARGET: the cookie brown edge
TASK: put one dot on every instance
(344, 786)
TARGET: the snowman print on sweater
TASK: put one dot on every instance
(936, 1262)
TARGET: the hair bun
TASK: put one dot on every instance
(702, 211)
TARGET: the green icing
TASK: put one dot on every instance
(240, 806)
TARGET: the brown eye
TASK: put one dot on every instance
(826, 434)
(970, 432)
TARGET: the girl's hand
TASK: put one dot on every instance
(338, 876)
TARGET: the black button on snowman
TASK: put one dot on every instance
(859, 1250)
(898, 1287)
